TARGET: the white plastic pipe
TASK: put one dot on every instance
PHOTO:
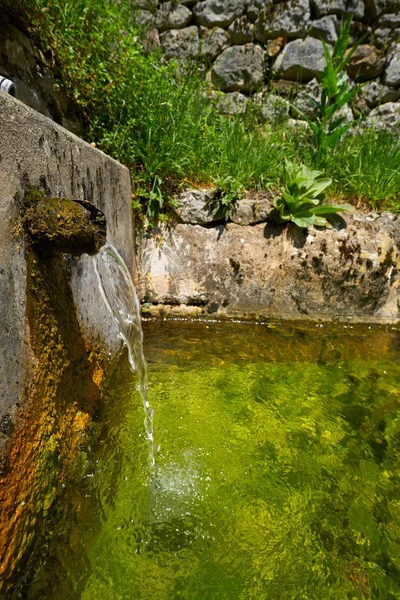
(7, 86)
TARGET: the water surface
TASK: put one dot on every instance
(278, 474)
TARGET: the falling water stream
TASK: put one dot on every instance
(119, 294)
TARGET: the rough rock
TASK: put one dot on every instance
(392, 72)
(194, 207)
(253, 209)
(375, 93)
(355, 8)
(391, 21)
(274, 109)
(180, 43)
(232, 104)
(271, 270)
(385, 118)
(150, 5)
(239, 68)
(383, 37)
(375, 8)
(252, 13)
(213, 42)
(366, 63)
(170, 16)
(284, 87)
(301, 60)
(289, 19)
(151, 40)
(306, 99)
(273, 47)
(299, 127)
(217, 13)
(241, 31)
(326, 29)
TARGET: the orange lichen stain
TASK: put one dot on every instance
(67, 379)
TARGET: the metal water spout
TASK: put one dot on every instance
(7, 86)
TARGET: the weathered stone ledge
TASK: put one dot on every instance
(251, 269)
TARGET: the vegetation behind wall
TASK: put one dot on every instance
(158, 117)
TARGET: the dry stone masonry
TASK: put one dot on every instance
(36, 82)
(251, 48)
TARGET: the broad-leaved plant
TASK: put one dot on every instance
(303, 200)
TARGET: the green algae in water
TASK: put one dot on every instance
(277, 477)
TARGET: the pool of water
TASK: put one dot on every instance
(277, 475)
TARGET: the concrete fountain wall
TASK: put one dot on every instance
(57, 340)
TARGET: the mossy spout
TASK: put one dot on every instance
(62, 225)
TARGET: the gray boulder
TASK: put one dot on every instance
(180, 43)
(144, 18)
(170, 16)
(345, 8)
(253, 209)
(233, 103)
(213, 42)
(306, 99)
(239, 68)
(146, 4)
(391, 21)
(193, 207)
(301, 60)
(274, 109)
(375, 8)
(289, 19)
(217, 13)
(385, 118)
(384, 36)
(392, 72)
(326, 29)
(375, 93)
(241, 31)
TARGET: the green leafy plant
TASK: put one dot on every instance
(336, 92)
(303, 200)
(225, 197)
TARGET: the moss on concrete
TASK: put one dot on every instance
(66, 386)
(63, 225)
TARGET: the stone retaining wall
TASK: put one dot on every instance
(254, 268)
(274, 48)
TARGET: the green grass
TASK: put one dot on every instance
(158, 120)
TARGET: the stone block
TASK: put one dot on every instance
(392, 71)
(326, 28)
(213, 42)
(375, 93)
(366, 63)
(241, 31)
(180, 43)
(343, 8)
(217, 13)
(301, 60)
(170, 16)
(289, 19)
(239, 68)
